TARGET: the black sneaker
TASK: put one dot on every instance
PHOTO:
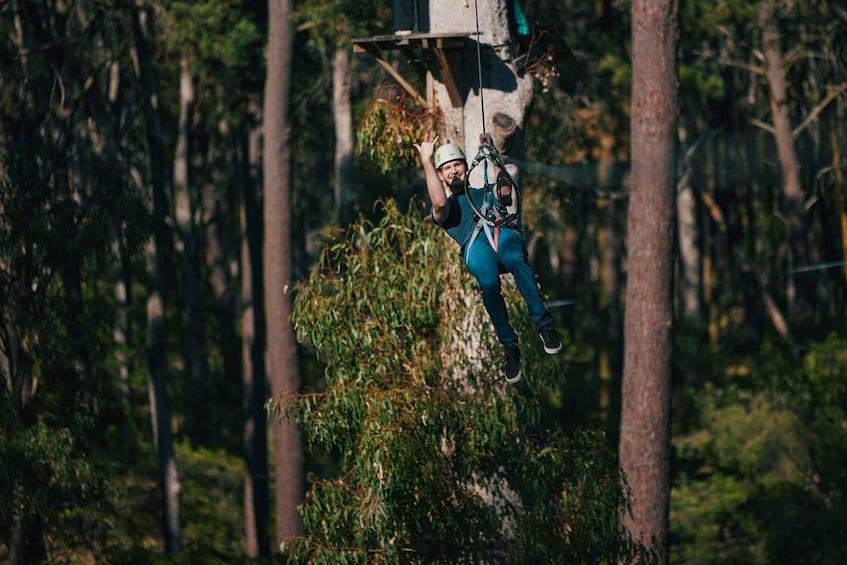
(512, 362)
(551, 340)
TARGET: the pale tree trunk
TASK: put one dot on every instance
(689, 250)
(688, 235)
(168, 473)
(157, 251)
(25, 531)
(792, 190)
(281, 346)
(710, 233)
(504, 100)
(345, 197)
(645, 415)
(256, 493)
(195, 348)
(120, 327)
(505, 96)
(120, 278)
(223, 268)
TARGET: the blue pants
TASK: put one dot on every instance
(484, 264)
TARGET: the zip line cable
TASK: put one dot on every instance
(752, 276)
(777, 274)
(479, 63)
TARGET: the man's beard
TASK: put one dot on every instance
(457, 185)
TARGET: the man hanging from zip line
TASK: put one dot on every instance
(502, 249)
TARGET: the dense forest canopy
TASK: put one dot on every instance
(137, 404)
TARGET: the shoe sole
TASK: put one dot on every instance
(516, 379)
(548, 350)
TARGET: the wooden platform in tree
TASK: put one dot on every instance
(539, 53)
(425, 52)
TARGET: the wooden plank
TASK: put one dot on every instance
(414, 40)
(447, 77)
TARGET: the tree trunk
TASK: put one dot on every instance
(195, 337)
(690, 280)
(222, 270)
(256, 494)
(157, 252)
(281, 345)
(505, 96)
(345, 197)
(120, 327)
(25, 532)
(26, 540)
(504, 101)
(160, 413)
(792, 189)
(645, 417)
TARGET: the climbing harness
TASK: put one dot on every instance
(493, 215)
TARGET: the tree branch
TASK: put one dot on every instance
(793, 56)
(746, 66)
(831, 95)
(764, 125)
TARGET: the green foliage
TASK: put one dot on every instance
(701, 20)
(619, 70)
(49, 480)
(390, 127)
(212, 514)
(438, 464)
(334, 22)
(223, 46)
(706, 525)
(56, 390)
(213, 33)
(763, 478)
(693, 80)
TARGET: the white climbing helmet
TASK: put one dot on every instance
(448, 152)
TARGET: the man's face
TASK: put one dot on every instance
(453, 173)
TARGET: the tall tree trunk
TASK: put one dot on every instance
(195, 348)
(160, 413)
(222, 271)
(120, 324)
(345, 197)
(792, 189)
(690, 280)
(256, 492)
(645, 417)
(157, 252)
(506, 97)
(119, 271)
(25, 532)
(281, 345)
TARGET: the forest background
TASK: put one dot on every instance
(134, 417)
